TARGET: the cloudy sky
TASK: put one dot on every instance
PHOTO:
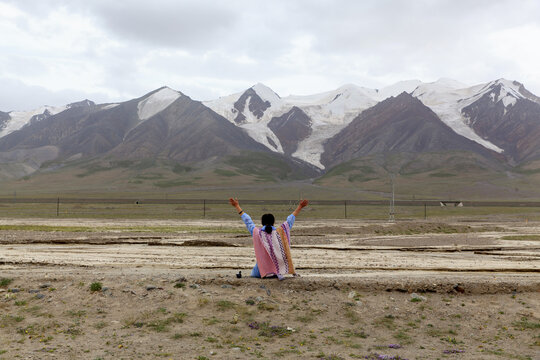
(59, 51)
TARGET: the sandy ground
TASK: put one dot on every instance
(365, 291)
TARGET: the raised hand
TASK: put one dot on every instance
(301, 205)
(234, 202)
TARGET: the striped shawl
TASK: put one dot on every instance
(273, 251)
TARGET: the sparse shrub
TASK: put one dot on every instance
(524, 323)
(96, 286)
(225, 305)
(265, 329)
(264, 306)
(4, 282)
(355, 333)
(100, 325)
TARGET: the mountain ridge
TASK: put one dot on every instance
(499, 121)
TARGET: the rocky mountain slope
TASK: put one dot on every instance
(401, 124)
(498, 122)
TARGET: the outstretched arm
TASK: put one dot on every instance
(234, 202)
(301, 205)
(250, 225)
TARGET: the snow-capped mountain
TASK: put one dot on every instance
(252, 110)
(499, 119)
(328, 113)
(15, 120)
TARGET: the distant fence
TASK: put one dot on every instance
(220, 208)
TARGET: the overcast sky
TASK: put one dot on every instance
(59, 51)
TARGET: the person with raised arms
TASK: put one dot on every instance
(272, 245)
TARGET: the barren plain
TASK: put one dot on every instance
(163, 289)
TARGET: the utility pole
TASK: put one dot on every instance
(392, 212)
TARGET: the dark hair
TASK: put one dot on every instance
(268, 221)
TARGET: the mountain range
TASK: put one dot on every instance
(361, 134)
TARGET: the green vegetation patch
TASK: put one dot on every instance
(522, 237)
(264, 167)
(161, 325)
(4, 282)
(96, 286)
(361, 172)
(179, 169)
(163, 229)
(442, 175)
(93, 169)
(267, 330)
(149, 176)
(427, 228)
(45, 228)
(172, 183)
(226, 173)
(223, 305)
(525, 324)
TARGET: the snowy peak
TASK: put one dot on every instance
(256, 104)
(156, 102)
(394, 90)
(18, 119)
(250, 107)
(266, 93)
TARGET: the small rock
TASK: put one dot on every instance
(226, 286)
(33, 291)
(460, 289)
(236, 349)
(359, 303)
(259, 298)
(14, 290)
(212, 353)
(150, 287)
(194, 286)
(262, 287)
(40, 296)
(44, 286)
(268, 292)
(2, 290)
(352, 294)
(419, 297)
(181, 279)
(104, 289)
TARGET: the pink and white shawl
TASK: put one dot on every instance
(273, 251)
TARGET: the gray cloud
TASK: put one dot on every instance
(204, 48)
(17, 96)
(175, 24)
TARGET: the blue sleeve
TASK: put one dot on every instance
(249, 223)
(290, 220)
